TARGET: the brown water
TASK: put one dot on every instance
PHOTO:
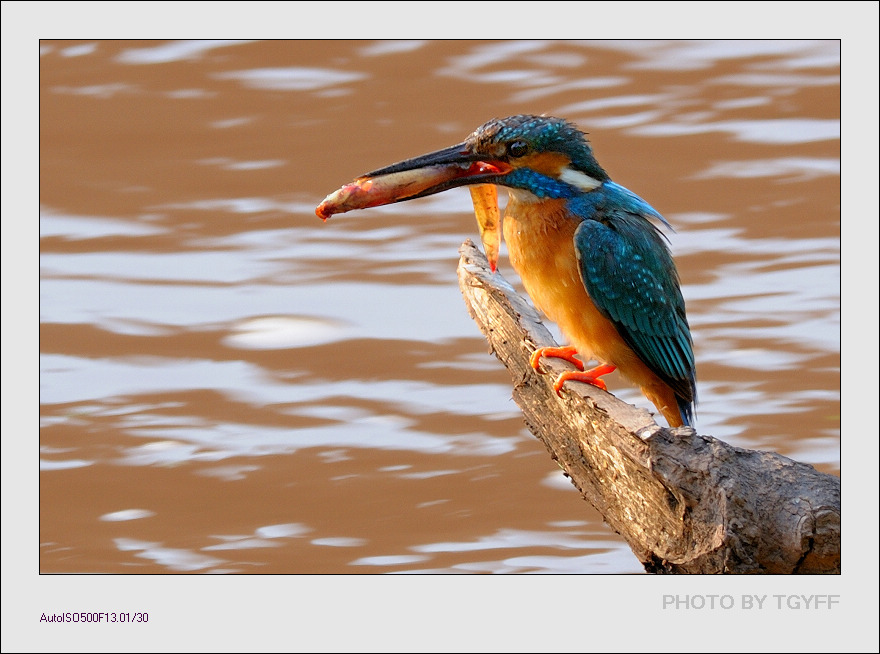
(229, 385)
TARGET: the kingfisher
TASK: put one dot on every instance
(587, 250)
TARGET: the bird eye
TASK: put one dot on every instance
(517, 148)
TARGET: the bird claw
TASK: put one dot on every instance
(590, 377)
(568, 353)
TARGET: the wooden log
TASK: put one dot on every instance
(684, 502)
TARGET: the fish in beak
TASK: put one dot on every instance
(427, 175)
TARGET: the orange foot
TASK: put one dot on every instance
(587, 376)
(566, 353)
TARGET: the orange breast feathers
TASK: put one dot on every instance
(540, 243)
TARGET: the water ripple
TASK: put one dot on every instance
(171, 52)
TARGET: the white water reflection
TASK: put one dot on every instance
(173, 52)
(284, 332)
(383, 48)
(343, 541)
(605, 557)
(53, 223)
(782, 131)
(127, 514)
(796, 168)
(292, 79)
(209, 443)
(703, 54)
(69, 464)
(513, 538)
(79, 50)
(390, 560)
(173, 558)
(268, 536)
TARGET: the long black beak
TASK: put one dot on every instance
(456, 154)
(415, 178)
(447, 168)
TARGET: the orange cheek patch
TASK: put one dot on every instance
(548, 163)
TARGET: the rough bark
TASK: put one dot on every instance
(684, 502)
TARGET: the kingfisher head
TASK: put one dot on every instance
(548, 157)
(536, 157)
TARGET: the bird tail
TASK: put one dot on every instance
(686, 409)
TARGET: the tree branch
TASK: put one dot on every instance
(685, 503)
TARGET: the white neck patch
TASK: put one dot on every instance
(578, 179)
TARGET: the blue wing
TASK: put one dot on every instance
(629, 273)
